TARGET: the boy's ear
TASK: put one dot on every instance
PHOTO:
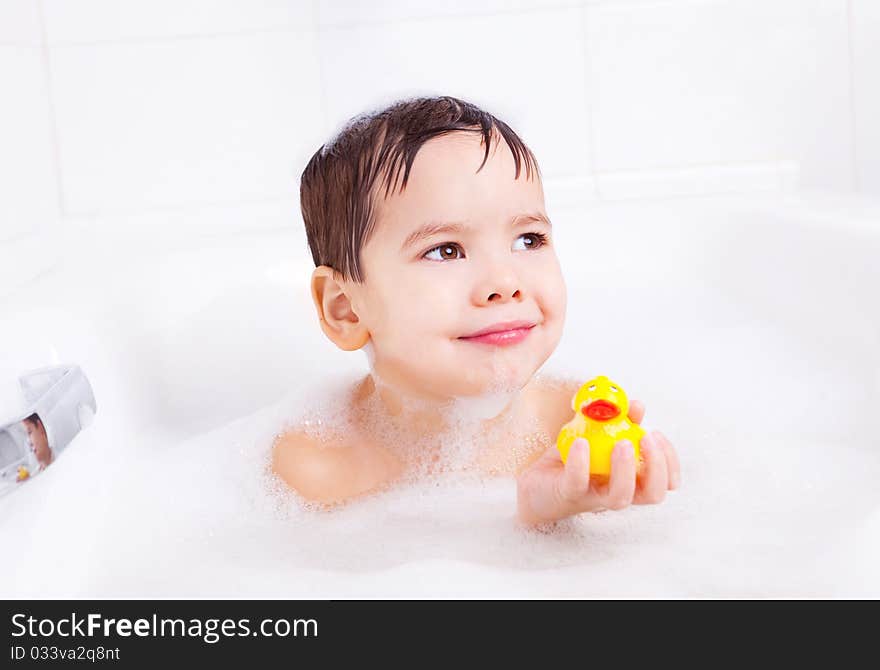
(338, 320)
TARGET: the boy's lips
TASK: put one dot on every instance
(507, 332)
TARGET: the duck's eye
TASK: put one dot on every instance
(591, 387)
(614, 389)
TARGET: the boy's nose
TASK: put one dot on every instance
(499, 297)
(498, 287)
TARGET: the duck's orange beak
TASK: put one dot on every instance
(601, 410)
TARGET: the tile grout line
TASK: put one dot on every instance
(589, 96)
(188, 206)
(850, 25)
(557, 6)
(357, 23)
(162, 39)
(53, 118)
(289, 199)
(322, 84)
(700, 165)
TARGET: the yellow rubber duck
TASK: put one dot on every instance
(23, 473)
(600, 408)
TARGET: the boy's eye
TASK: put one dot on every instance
(536, 240)
(445, 252)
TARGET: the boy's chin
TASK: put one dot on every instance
(499, 381)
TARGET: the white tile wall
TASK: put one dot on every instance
(164, 123)
(528, 69)
(193, 105)
(866, 55)
(20, 23)
(354, 12)
(780, 176)
(116, 20)
(28, 188)
(717, 81)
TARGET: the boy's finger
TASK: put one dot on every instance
(550, 456)
(673, 467)
(622, 485)
(576, 476)
(652, 482)
(636, 411)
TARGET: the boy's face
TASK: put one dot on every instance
(37, 440)
(419, 300)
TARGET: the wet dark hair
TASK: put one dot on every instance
(340, 182)
(34, 419)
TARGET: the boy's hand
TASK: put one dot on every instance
(550, 490)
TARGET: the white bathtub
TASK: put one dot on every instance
(750, 327)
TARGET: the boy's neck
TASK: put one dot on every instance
(390, 409)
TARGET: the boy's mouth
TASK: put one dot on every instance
(508, 332)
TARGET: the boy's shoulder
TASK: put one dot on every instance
(328, 470)
(304, 464)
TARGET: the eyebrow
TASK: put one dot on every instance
(436, 227)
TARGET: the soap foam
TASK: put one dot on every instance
(208, 518)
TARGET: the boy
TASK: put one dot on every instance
(435, 257)
(38, 440)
